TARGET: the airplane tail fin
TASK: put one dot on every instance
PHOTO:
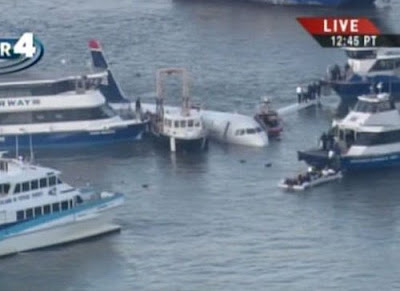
(111, 90)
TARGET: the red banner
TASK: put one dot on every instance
(338, 26)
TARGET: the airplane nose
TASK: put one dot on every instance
(261, 140)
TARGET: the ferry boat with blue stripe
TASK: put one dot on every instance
(368, 137)
(69, 112)
(365, 68)
(333, 3)
(38, 209)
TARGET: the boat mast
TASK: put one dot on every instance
(185, 90)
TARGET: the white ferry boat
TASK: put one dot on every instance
(365, 68)
(61, 112)
(37, 209)
(368, 137)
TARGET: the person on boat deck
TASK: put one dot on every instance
(318, 89)
(310, 92)
(299, 92)
(265, 105)
(138, 107)
(347, 71)
(324, 141)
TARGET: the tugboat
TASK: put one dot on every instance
(181, 128)
(269, 119)
(37, 209)
(368, 137)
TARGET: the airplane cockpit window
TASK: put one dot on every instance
(251, 131)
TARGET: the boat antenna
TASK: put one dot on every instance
(185, 93)
(31, 148)
(16, 147)
(160, 94)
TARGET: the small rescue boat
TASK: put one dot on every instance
(311, 179)
(269, 119)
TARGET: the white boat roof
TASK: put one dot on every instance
(20, 171)
(176, 114)
(38, 78)
(375, 98)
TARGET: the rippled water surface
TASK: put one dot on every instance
(208, 221)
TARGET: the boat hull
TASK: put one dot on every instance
(311, 184)
(61, 228)
(74, 138)
(319, 158)
(334, 3)
(348, 91)
(182, 145)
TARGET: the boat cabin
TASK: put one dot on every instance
(28, 191)
(374, 104)
(45, 87)
(178, 124)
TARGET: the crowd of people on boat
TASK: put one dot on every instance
(310, 93)
(335, 73)
(312, 174)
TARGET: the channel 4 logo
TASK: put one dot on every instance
(17, 54)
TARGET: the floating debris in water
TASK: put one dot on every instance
(242, 161)
(145, 186)
(268, 165)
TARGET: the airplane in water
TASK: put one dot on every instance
(224, 127)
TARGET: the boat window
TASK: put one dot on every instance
(250, 131)
(107, 110)
(20, 215)
(29, 213)
(38, 211)
(384, 106)
(52, 180)
(17, 188)
(385, 65)
(197, 124)
(183, 123)
(176, 123)
(70, 203)
(258, 129)
(95, 113)
(361, 54)
(365, 107)
(25, 186)
(56, 207)
(3, 166)
(34, 184)
(59, 181)
(4, 188)
(45, 88)
(79, 199)
(46, 209)
(190, 123)
(64, 205)
(43, 183)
